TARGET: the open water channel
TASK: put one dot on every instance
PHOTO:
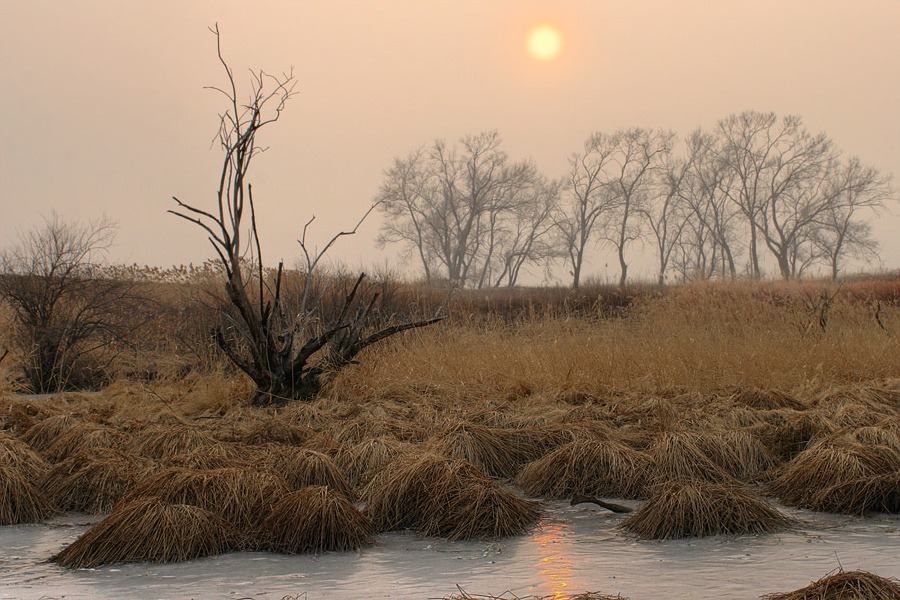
(575, 549)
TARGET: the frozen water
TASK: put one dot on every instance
(575, 549)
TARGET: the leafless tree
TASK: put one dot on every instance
(588, 197)
(853, 189)
(464, 210)
(288, 355)
(666, 213)
(70, 319)
(637, 153)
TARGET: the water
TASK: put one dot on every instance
(575, 549)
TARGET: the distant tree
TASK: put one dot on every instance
(853, 189)
(587, 197)
(466, 211)
(666, 213)
(289, 354)
(70, 318)
(636, 154)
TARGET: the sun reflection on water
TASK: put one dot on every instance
(555, 564)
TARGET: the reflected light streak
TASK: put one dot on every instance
(554, 566)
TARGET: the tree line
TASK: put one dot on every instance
(715, 205)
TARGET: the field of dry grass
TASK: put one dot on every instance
(706, 401)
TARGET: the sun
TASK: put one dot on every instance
(544, 42)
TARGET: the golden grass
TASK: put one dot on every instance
(845, 585)
(678, 509)
(497, 452)
(18, 414)
(16, 453)
(364, 459)
(679, 456)
(841, 463)
(20, 500)
(586, 467)
(314, 519)
(301, 467)
(441, 496)
(239, 495)
(84, 436)
(149, 529)
(94, 480)
(697, 338)
(164, 441)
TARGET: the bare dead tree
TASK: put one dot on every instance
(288, 356)
(70, 319)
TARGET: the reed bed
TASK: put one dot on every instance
(586, 467)
(18, 415)
(445, 497)
(84, 436)
(20, 500)
(497, 452)
(163, 441)
(149, 529)
(839, 463)
(239, 495)
(44, 433)
(314, 519)
(16, 453)
(845, 585)
(277, 429)
(679, 509)
(301, 467)
(93, 480)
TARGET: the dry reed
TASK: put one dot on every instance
(586, 467)
(680, 509)
(441, 496)
(301, 467)
(845, 585)
(678, 456)
(20, 500)
(238, 495)
(16, 453)
(93, 480)
(84, 436)
(149, 529)
(314, 519)
(164, 441)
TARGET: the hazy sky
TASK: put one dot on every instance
(103, 108)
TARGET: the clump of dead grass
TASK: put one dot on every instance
(445, 497)
(314, 519)
(678, 509)
(497, 452)
(16, 453)
(94, 480)
(838, 475)
(149, 529)
(301, 467)
(679, 456)
(20, 500)
(84, 436)
(586, 467)
(164, 441)
(366, 458)
(238, 495)
(845, 585)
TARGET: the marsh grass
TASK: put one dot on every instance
(149, 529)
(845, 585)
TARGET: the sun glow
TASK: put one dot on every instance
(544, 42)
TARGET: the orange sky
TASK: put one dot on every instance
(102, 106)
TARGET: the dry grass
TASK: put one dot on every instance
(301, 467)
(238, 495)
(17, 414)
(314, 519)
(44, 433)
(16, 453)
(497, 452)
(680, 509)
(679, 456)
(364, 459)
(586, 467)
(20, 500)
(845, 585)
(164, 441)
(441, 496)
(94, 480)
(838, 463)
(84, 436)
(149, 529)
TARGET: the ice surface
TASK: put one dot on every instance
(575, 549)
